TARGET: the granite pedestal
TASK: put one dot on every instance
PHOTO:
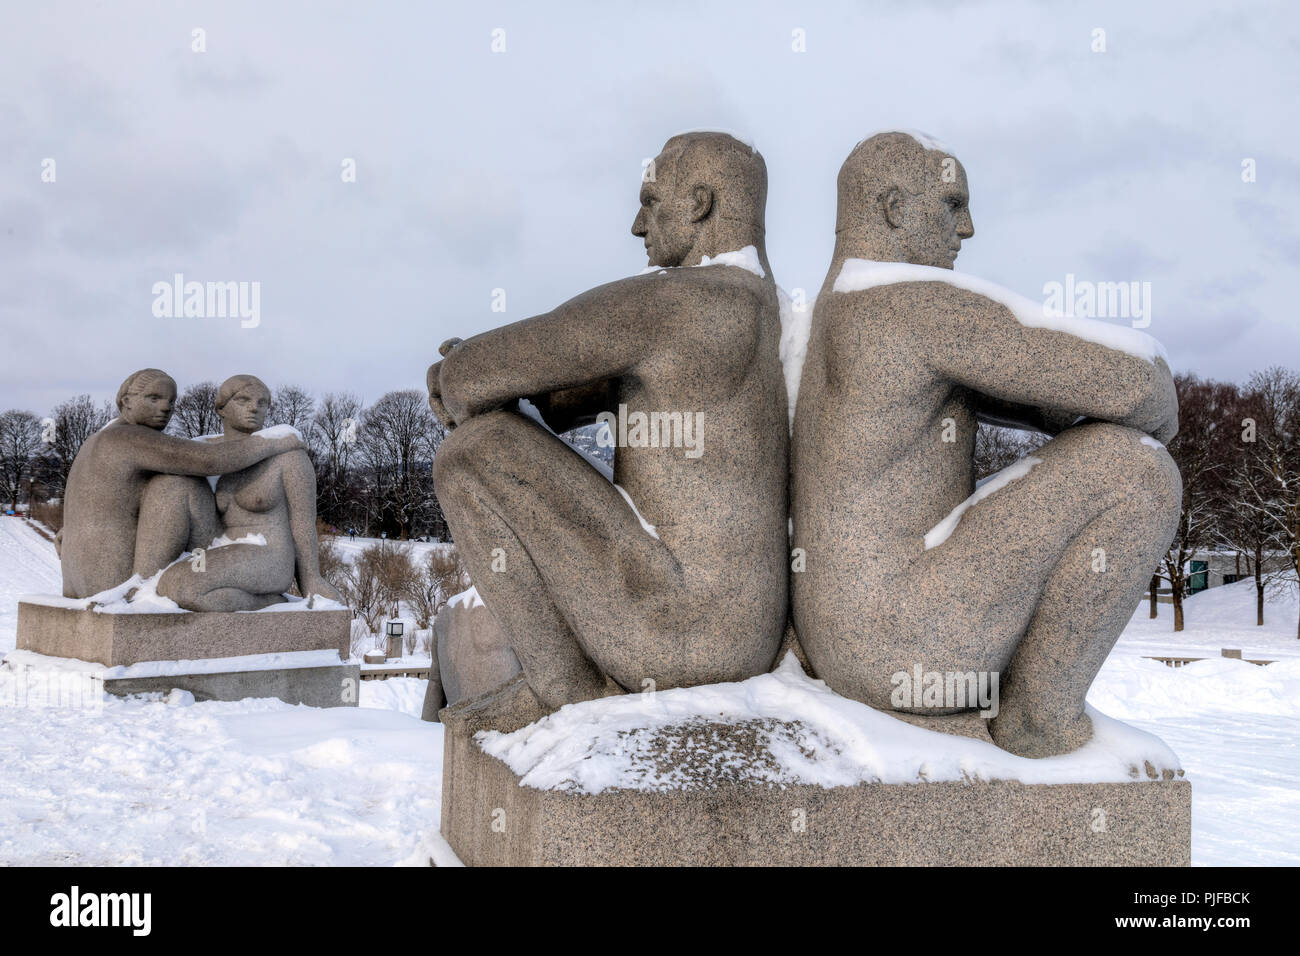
(491, 819)
(297, 656)
(113, 639)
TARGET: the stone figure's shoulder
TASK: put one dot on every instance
(100, 440)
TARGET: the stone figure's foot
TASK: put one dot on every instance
(505, 709)
(1028, 733)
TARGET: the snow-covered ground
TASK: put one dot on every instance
(262, 782)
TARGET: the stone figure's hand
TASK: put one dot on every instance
(435, 396)
(433, 381)
(286, 444)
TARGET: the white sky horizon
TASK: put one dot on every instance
(519, 170)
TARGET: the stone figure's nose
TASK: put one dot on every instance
(965, 225)
(638, 224)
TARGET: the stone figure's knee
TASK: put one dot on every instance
(1141, 459)
(455, 455)
(467, 447)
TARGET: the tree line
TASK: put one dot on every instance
(1238, 448)
(374, 464)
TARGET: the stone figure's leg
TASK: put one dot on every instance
(558, 556)
(1090, 594)
(1035, 584)
(177, 513)
(237, 577)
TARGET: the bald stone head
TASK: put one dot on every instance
(147, 398)
(902, 202)
(705, 194)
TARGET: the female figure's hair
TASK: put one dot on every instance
(236, 384)
(137, 382)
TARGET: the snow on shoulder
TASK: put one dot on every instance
(809, 734)
(279, 431)
(796, 329)
(859, 274)
(746, 258)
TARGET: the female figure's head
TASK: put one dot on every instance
(147, 398)
(243, 402)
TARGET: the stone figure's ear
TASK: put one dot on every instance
(701, 203)
(891, 206)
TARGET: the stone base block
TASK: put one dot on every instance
(335, 686)
(120, 639)
(314, 678)
(490, 819)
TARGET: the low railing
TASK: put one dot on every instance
(1231, 653)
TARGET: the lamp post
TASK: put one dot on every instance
(395, 629)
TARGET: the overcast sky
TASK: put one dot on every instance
(519, 170)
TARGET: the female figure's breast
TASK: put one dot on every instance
(254, 491)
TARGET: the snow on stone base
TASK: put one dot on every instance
(806, 733)
(287, 660)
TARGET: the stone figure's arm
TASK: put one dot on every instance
(596, 336)
(978, 343)
(149, 450)
(299, 480)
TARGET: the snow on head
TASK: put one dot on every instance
(924, 139)
(738, 137)
(859, 274)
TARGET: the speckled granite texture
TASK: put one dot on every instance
(491, 820)
(1036, 580)
(565, 560)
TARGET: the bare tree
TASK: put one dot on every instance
(1273, 497)
(293, 406)
(1244, 525)
(74, 421)
(1205, 426)
(997, 447)
(378, 580)
(195, 413)
(399, 435)
(20, 442)
(335, 427)
(437, 578)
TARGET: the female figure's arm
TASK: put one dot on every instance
(299, 481)
(150, 450)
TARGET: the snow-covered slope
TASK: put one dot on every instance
(28, 565)
(262, 782)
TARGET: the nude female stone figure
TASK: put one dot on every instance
(137, 498)
(276, 499)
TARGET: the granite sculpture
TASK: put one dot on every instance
(137, 498)
(910, 569)
(268, 519)
(674, 573)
